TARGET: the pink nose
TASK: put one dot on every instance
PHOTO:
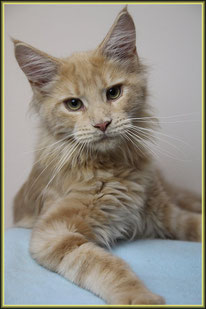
(103, 126)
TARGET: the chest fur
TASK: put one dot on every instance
(114, 200)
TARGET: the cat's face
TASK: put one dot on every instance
(93, 100)
(89, 97)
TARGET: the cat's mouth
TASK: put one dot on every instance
(105, 137)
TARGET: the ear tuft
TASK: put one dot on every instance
(39, 67)
(120, 42)
(124, 9)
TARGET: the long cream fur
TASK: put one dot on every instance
(89, 188)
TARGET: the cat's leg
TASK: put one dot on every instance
(182, 224)
(188, 201)
(167, 219)
(182, 198)
(63, 241)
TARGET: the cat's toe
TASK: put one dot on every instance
(137, 298)
(149, 299)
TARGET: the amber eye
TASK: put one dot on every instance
(73, 104)
(114, 92)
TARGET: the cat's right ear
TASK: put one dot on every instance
(40, 68)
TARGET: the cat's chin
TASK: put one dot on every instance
(106, 143)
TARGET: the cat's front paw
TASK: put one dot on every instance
(138, 298)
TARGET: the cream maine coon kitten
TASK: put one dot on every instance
(93, 180)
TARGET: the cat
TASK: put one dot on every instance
(94, 181)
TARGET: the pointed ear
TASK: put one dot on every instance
(120, 42)
(40, 68)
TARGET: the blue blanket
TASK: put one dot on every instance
(170, 268)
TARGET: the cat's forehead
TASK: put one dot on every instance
(90, 69)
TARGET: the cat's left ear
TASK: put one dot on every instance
(120, 42)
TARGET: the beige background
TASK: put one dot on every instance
(169, 41)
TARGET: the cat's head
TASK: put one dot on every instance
(90, 97)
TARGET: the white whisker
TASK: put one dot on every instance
(51, 145)
(164, 152)
(166, 117)
(41, 173)
(148, 136)
(163, 134)
(126, 135)
(62, 162)
(139, 139)
(52, 152)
